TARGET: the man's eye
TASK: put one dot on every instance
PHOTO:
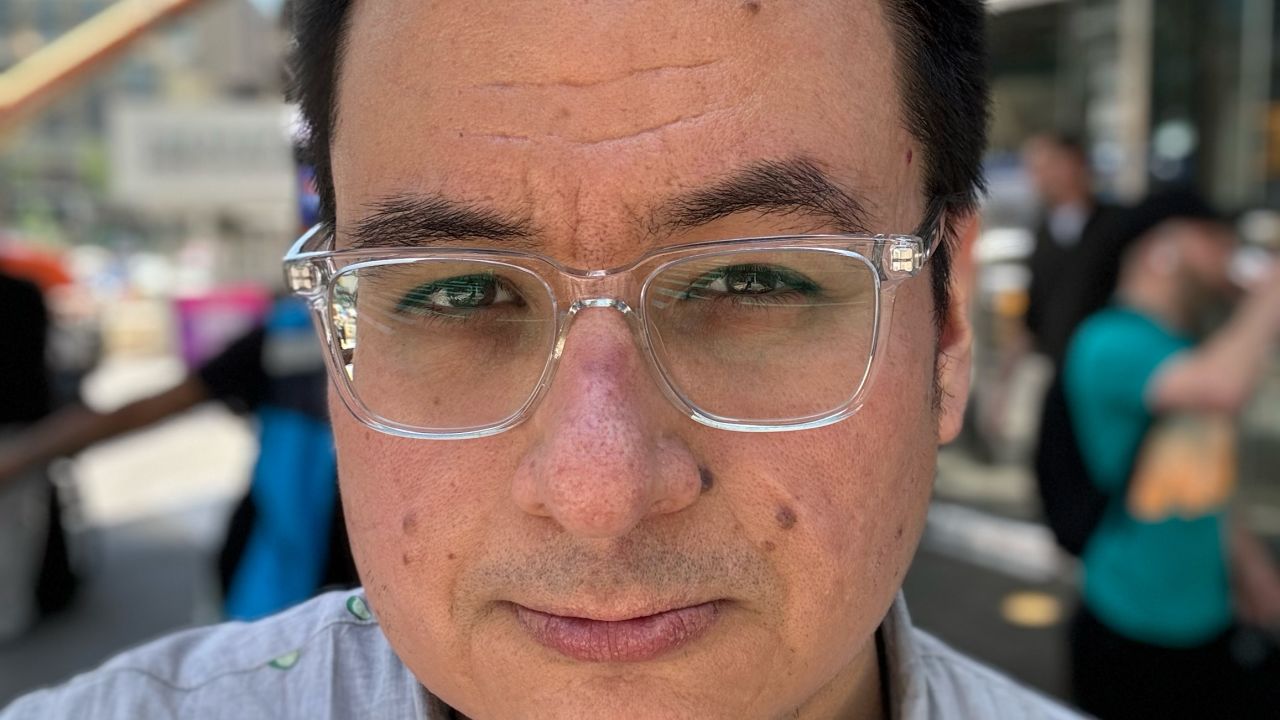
(465, 292)
(751, 281)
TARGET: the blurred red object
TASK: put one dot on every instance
(43, 268)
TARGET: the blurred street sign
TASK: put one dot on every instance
(214, 157)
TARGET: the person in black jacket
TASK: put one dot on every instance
(1074, 268)
(1075, 261)
(30, 532)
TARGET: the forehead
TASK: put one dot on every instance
(583, 113)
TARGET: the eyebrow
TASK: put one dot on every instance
(409, 220)
(795, 187)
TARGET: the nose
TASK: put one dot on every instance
(606, 455)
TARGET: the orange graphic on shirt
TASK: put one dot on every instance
(1186, 468)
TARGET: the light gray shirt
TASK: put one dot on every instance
(327, 659)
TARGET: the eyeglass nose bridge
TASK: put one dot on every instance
(639, 338)
(599, 303)
(642, 343)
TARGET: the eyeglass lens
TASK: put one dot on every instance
(754, 337)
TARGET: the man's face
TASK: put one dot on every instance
(609, 557)
(1057, 173)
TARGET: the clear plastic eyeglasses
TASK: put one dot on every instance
(755, 335)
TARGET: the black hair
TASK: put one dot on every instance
(942, 78)
(1164, 205)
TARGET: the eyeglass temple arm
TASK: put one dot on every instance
(933, 228)
(313, 240)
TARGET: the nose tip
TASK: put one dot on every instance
(605, 487)
(603, 503)
(603, 461)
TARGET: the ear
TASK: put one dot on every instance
(955, 336)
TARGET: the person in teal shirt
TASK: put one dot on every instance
(1165, 572)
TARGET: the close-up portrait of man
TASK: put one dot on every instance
(644, 326)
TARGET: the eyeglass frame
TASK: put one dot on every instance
(311, 273)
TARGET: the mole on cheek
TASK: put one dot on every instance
(751, 6)
(786, 517)
(768, 546)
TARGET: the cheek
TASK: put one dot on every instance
(851, 510)
(412, 507)
(839, 511)
(416, 512)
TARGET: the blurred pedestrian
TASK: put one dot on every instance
(1168, 576)
(286, 539)
(28, 499)
(1074, 267)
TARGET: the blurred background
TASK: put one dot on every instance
(148, 187)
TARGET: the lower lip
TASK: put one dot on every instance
(634, 640)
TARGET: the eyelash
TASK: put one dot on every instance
(417, 300)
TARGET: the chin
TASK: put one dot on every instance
(617, 696)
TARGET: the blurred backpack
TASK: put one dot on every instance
(1073, 506)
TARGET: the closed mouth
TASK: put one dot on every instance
(631, 639)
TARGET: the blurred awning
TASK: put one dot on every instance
(41, 267)
(50, 71)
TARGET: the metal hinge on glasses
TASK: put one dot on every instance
(901, 256)
(303, 278)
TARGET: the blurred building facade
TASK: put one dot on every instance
(61, 174)
(1161, 91)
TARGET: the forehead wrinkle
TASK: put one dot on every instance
(642, 133)
(591, 82)
(630, 104)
